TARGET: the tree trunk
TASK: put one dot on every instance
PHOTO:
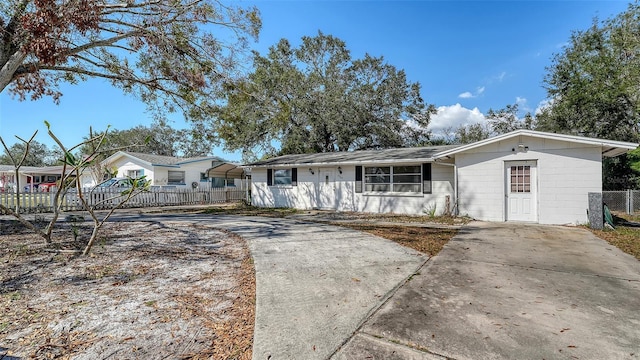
(9, 68)
(94, 236)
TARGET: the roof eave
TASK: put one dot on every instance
(622, 146)
(342, 163)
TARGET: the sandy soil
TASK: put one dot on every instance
(148, 291)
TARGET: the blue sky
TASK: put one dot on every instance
(468, 56)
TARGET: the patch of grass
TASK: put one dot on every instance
(246, 210)
(427, 240)
(625, 238)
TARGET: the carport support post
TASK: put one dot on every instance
(596, 212)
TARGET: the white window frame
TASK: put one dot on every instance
(135, 173)
(392, 179)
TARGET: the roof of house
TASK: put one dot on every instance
(415, 154)
(160, 160)
(610, 148)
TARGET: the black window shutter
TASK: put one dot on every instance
(426, 178)
(269, 177)
(358, 179)
(294, 176)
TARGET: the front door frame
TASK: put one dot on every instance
(534, 193)
(327, 186)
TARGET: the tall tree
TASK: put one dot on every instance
(593, 82)
(593, 87)
(173, 55)
(316, 98)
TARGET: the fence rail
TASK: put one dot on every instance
(40, 202)
(626, 201)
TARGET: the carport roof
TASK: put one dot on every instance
(416, 154)
(226, 170)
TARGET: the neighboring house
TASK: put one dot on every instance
(28, 175)
(520, 176)
(167, 170)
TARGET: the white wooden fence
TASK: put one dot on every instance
(37, 202)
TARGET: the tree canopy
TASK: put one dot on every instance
(39, 154)
(593, 82)
(593, 87)
(317, 98)
(157, 139)
(173, 55)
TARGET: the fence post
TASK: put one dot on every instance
(628, 202)
(631, 205)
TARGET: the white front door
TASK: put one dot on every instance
(521, 191)
(326, 189)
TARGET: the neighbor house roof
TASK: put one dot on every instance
(54, 170)
(416, 154)
(610, 148)
(160, 160)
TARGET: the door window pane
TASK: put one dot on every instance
(520, 179)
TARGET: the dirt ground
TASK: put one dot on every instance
(148, 291)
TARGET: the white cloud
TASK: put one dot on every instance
(501, 76)
(522, 103)
(452, 117)
(469, 95)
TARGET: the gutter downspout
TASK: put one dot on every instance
(455, 185)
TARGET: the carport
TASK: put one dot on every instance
(230, 171)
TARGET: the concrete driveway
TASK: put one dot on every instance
(505, 291)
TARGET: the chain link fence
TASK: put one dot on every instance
(627, 201)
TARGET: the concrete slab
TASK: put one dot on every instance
(315, 283)
(363, 346)
(503, 291)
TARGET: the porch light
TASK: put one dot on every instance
(311, 171)
(339, 169)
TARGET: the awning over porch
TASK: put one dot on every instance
(226, 170)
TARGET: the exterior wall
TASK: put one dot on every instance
(124, 164)
(306, 195)
(159, 175)
(566, 172)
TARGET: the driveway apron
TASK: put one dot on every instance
(316, 284)
(512, 291)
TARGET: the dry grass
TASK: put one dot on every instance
(427, 240)
(624, 236)
(396, 218)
